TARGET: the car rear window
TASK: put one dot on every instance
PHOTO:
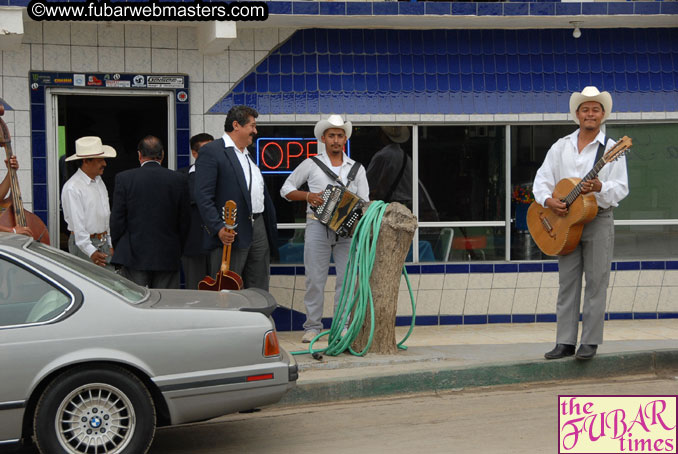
(108, 279)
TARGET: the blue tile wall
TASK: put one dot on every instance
(462, 71)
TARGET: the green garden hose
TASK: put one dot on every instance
(357, 299)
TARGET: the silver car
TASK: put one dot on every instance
(92, 363)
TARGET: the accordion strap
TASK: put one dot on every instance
(351, 175)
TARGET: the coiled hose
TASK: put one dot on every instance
(358, 297)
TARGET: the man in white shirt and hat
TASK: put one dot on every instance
(320, 243)
(84, 199)
(574, 156)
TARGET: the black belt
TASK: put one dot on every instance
(255, 216)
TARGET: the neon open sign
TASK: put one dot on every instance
(283, 155)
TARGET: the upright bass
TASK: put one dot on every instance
(12, 212)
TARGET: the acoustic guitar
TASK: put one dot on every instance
(225, 278)
(560, 235)
(12, 212)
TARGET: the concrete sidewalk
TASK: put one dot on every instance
(464, 356)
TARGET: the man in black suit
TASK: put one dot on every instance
(224, 171)
(195, 260)
(149, 220)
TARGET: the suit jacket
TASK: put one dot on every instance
(150, 218)
(193, 245)
(219, 177)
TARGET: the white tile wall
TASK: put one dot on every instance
(84, 58)
(670, 278)
(15, 92)
(84, 34)
(431, 282)
(187, 38)
(668, 300)
(164, 37)
(32, 32)
(477, 301)
(111, 34)
(501, 300)
(37, 60)
(626, 278)
(265, 38)
(240, 63)
(505, 280)
(646, 299)
(56, 32)
(137, 35)
(480, 280)
(17, 63)
(164, 60)
(651, 278)
(622, 299)
(428, 302)
(525, 301)
(191, 62)
(111, 59)
(22, 126)
(138, 59)
(57, 57)
(452, 302)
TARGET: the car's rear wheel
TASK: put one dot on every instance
(92, 411)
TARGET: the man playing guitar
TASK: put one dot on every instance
(572, 157)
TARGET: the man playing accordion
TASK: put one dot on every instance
(331, 166)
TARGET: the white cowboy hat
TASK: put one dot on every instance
(397, 134)
(334, 121)
(590, 94)
(91, 147)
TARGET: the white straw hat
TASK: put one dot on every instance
(590, 94)
(334, 121)
(91, 147)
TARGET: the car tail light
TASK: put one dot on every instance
(271, 346)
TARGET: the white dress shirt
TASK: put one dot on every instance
(257, 188)
(86, 209)
(563, 160)
(309, 172)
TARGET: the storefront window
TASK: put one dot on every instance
(462, 169)
(462, 188)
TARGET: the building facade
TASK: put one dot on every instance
(482, 88)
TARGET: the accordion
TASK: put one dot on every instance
(340, 211)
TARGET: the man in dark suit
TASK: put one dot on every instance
(149, 220)
(195, 260)
(224, 171)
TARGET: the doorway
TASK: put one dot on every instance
(121, 121)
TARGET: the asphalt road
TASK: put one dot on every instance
(516, 419)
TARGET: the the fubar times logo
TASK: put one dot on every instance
(617, 424)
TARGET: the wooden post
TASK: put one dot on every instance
(395, 237)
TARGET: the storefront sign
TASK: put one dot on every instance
(283, 155)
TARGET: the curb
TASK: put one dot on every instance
(440, 378)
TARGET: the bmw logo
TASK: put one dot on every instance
(95, 422)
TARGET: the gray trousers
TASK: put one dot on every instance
(320, 243)
(151, 278)
(196, 267)
(591, 258)
(101, 245)
(253, 263)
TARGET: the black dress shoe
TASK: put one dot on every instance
(586, 351)
(561, 351)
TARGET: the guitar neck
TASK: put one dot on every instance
(576, 191)
(226, 258)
